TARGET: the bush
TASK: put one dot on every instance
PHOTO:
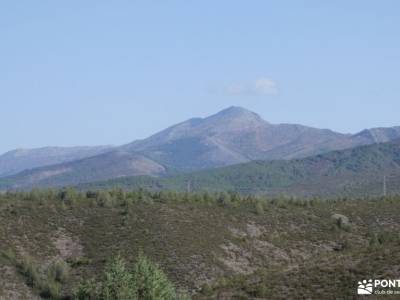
(117, 284)
(46, 282)
(50, 289)
(9, 254)
(30, 271)
(259, 208)
(86, 290)
(58, 271)
(104, 199)
(150, 282)
(145, 282)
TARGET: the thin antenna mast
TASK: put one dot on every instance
(384, 186)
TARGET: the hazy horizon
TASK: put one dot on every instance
(110, 144)
(96, 73)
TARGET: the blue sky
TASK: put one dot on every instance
(109, 72)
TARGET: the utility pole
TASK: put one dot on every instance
(188, 188)
(384, 186)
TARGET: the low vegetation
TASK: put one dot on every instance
(117, 244)
(145, 281)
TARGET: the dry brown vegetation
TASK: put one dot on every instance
(214, 246)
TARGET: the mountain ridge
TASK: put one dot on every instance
(232, 136)
(17, 160)
(351, 172)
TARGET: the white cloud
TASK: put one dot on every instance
(260, 87)
(265, 86)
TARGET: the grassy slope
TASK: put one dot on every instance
(277, 250)
(354, 172)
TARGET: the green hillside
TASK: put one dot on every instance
(211, 246)
(352, 172)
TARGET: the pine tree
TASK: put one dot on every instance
(117, 284)
(150, 282)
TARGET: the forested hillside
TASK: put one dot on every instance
(354, 172)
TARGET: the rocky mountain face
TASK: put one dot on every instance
(234, 135)
(18, 160)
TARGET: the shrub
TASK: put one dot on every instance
(150, 282)
(9, 254)
(145, 282)
(29, 270)
(50, 289)
(259, 208)
(59, 271)
(117, 284)
(86, 290)
(46, 282)
(104, 199)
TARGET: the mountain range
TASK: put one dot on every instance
(19, 160)
(355, 172)
(232, 136)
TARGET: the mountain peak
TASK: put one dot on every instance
(234, 110)
(237, 113)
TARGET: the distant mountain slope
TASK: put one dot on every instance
(236, 135)
(357, 171)
(105, 166)
(18, 160)
(232, 136)
(378, 135)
